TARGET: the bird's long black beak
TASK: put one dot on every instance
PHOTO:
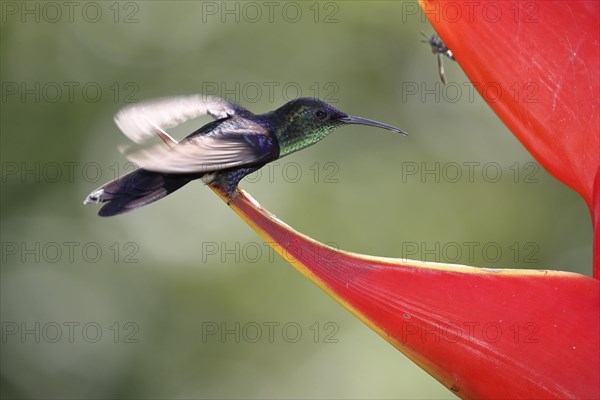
(370, 122)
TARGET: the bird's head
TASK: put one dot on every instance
(304, 121)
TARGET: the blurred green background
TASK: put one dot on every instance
(181, 299)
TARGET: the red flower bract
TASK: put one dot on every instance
(536, 63)
(491, 333)
(482, 333)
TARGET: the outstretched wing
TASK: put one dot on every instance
(140, 121)
(230, 146)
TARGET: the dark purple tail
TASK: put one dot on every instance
(134, 190)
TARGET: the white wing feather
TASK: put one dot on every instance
(205, 155)
(139, 121)
(232, 144)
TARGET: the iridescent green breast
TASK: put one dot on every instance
(291, 140)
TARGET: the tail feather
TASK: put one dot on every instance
(134, 190)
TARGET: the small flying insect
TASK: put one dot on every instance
(439, 48)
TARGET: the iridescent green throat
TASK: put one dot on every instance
(293, 134)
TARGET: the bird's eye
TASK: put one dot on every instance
(321, 114)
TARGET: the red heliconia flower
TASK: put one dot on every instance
(491, 333)
(536, 63)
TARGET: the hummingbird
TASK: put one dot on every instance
(236, 143)
(439, 48)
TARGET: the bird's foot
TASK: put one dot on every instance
(227, 190)
(232, 196)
